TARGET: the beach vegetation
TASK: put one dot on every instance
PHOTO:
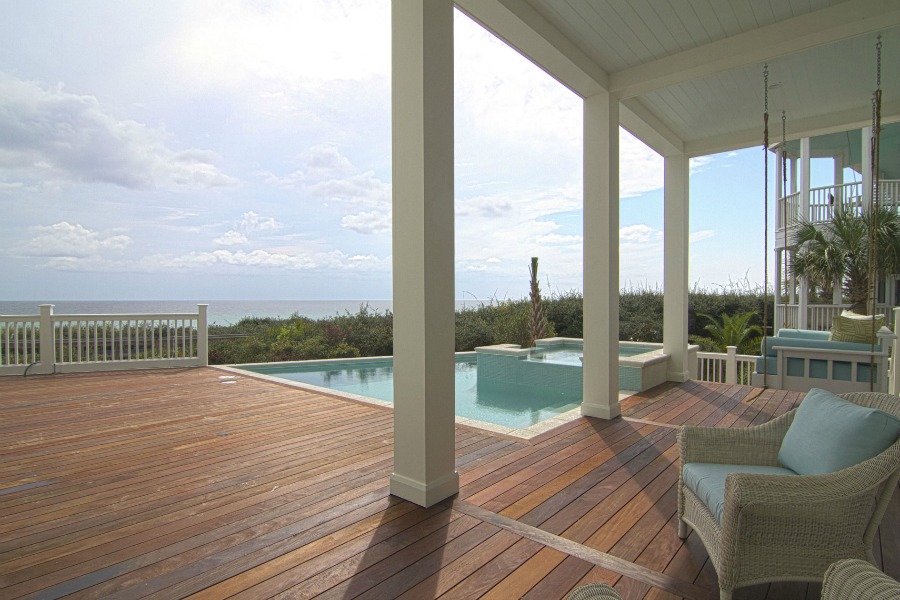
(369, 332)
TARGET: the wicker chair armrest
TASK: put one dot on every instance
(594, 591)
(853, 578)
(806, 492)
(757, 445)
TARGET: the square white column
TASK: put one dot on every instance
(601, 257)
(866, 166)
(675, 266)
(805, 179)
(423, 260)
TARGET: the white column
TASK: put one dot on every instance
(804, 178)
(895, 357)
(601, 257)
(803, 308)
(866, 167)
(794, 182)
(675, 266)
(779, 273)
(838, 181)
(202, 335)
(780, 212)
(423, 261)
(47, 339)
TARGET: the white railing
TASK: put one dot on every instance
(787, 316)
(731, 367)
(890, 193)
(819, 316)
(823, 201)
(48, 343)
(788, 211)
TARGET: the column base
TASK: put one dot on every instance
(601, 411)
(678, 376)
(424, 494)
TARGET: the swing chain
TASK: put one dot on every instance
(878, 62)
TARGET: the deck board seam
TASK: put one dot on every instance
(580, 551)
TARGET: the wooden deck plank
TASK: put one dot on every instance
(173, 484)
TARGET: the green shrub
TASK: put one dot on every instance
(370, 332)
(472, 330)
(565, 312)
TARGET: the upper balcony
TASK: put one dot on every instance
(824, 201)
(807, 192)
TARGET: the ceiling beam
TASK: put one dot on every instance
(828, 25)
(846, 120)
(645, 126)
(524, 29)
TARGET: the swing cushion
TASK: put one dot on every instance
(851, 327)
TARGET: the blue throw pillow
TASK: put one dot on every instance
(829, 434)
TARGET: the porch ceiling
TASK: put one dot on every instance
(689, 72)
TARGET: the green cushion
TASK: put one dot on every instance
(829, 434)
(707, 481)
(851, 327)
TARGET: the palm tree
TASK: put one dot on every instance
(537, 325)
(839, 251)
(731, 331)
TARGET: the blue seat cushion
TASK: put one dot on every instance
(707, 481)
(829, 434)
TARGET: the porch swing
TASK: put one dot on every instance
(853, 356)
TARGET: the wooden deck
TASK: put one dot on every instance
(171, 484)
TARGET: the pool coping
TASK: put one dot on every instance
(521, 433)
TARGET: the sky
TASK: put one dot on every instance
(242, 150)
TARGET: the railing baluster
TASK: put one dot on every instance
(74, 342)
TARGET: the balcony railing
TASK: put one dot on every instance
(824, 201)
(48, 343)
(819, 316)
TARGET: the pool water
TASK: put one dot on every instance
(509, 405)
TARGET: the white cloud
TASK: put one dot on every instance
(703, 234)
(556, 239)
(362, 197)
(50, 133)
(250, 221)
(367, 222)
(483, 206)
(228, 43)
(499, 92)
(641, 169)
(700, 163)
(334, 259)
(362, 188)
(230, 238)
(638, 233)
(67, 240)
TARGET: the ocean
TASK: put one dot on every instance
(220, 312)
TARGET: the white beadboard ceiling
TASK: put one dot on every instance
(689, 72)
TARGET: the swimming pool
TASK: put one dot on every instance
(508, 405)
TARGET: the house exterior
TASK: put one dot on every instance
(797, 200)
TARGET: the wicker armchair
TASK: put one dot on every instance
(594, 591)
(782, 527)
(853, 578)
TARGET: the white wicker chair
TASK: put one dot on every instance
(594, 591)
(785, 528)
(853, 578)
